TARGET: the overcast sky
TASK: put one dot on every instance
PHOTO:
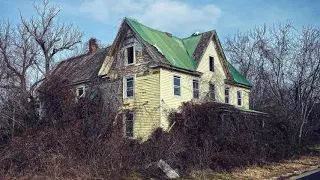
(101, 18)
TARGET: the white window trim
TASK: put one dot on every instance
(126, 55)
(174, 85)
(84, 91)
(229, 100)
(195, 79)
(214, 85)
(125, 125)
(241, 98)
(125, 86)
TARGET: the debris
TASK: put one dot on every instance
(172, 174)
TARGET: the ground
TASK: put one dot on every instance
(280, 170)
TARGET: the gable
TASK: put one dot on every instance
(184, 54)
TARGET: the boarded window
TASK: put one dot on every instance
(130, 55)
(129, 124)
(211, 63)
(226, 95)
(176, 85)
(195, 84)
(129, 87)
(239, 98)
(212, 92)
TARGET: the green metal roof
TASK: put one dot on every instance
(172, 48)
(237, 76)
(179, 52)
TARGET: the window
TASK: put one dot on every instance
(129, 87)
(226, 95)
(195, 84)
(129, 124)
(212, 92)
(130, 55)
(239, 98)
(80, 91)
(176, 85)
(211, 63)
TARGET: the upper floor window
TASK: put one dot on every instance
(129, 86)
(195, 84)
(212, 91)
(211, 63)
(130, 55)
(129, 120)
(226, 95)
(176, 85)
(239, 98)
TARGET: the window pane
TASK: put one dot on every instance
(238, 94)
(195, 84)
(226, 100)
(196, 94)
(177, 91)
(130, 83)
(130, 93)
(226, 91)
(129, 125)
(130, 55)
(80, 91)
(239, 102)
(176, 80)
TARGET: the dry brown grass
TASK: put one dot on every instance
(270, 171)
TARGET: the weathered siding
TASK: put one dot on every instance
(218, 78)
(168, 100)
(145, 104)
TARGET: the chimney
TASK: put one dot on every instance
(93, 46)
(169, 34)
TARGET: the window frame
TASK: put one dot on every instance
(127, 56)
(83, 88)
(210, 91)
(180, 90)
(227, 96)
(195, 90)
(241, 98)
(125, 86)
(125, 124)
(211, 64)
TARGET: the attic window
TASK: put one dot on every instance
(130, 55)
(211, 63)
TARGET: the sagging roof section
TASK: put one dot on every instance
(81, 68)
(181, 53)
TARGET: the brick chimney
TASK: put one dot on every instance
(93, 46)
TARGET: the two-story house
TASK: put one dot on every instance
(158, 71)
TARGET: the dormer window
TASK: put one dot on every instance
(211, 64)
(130, 55)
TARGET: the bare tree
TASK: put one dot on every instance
(283, 64)
(50, 35)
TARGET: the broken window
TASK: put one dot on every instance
(176, 85)
(130, 55)
(129, 87)
(80, 91)
(239, 97)
(195, 85)
(129, 124)
(211, 63)
(212, 91)
(226, 95)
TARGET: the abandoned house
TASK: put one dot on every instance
(153, 72)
